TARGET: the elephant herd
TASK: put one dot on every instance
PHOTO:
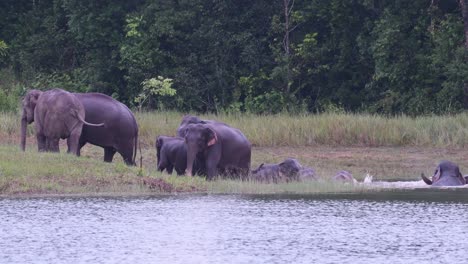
(201, 147)
(80, 118)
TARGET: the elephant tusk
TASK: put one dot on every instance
(425, 179)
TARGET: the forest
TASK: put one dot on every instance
(387, 57)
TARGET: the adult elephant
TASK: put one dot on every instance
(57, 114)
(225, 149)
(446, 174)
(120, 132)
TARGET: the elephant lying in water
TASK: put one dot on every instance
(286, 171)
(344, 176)
(446, 174)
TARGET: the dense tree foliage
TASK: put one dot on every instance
(262, 56)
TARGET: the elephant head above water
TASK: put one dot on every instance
(446, 174)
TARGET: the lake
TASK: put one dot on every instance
(410, 226)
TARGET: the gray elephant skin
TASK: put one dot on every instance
(57, 114)
(446, 174)
(344, 176)
(120, 132)
(288, 170)
(189, 119)
(225, 149)
(171, 153)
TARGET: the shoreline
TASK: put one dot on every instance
(33, 174)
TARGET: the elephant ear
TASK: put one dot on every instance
(159, 142)
(32, 98)
(211, 136)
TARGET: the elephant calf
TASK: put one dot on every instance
(171, 153)
(344, 176)
(288, 170)
(57, 114)
(446, 174)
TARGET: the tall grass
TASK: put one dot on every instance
(343, 129)
(33, 173)
(340, 129)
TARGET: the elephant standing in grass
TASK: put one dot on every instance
(120, 133)
(224, 149)
(57, 114)
(446, 174)
(171, 153)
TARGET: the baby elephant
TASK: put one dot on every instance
(446, 174)
(288, 170)
(171, 153)
(344, 176)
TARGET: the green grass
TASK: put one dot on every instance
(389, 148)
(33, 173)
(327, 129)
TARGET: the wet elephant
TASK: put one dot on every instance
(266, 173)
(344, 176)
(288, 170)
(57, 114)
(120, 132)
(171, 153)
(307, 174)
(446, 174)
(225, 150)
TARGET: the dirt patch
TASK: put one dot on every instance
(158, 184)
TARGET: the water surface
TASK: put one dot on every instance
(417, 226)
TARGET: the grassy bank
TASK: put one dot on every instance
(33, 173)
(309, 130)
(397, 148)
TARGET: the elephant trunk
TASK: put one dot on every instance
(191, 154)
(24, 125)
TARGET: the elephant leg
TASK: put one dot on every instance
(126, 150)
(211, 169)
(73, 142)
(170, 168)
(41, 143)
(109, 154)
(80, 145)
(53, 144)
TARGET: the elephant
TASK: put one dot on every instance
(120, 133)
(267, 173)
(307, 174)
(446, 174)
(171, 152)
(288, 170)
(188, 119)
(57, 114)
(224, 149)
(344, 176)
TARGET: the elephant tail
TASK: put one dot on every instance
(86, 123)
(136, 145)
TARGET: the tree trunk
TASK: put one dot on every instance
(464, 10)
(286, 44)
